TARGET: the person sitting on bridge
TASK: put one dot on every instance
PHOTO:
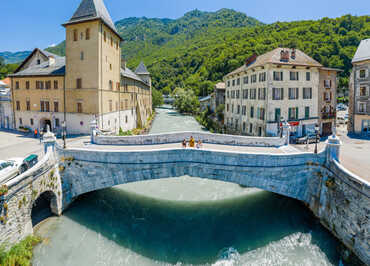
(199, 144)
(184, 143)
(192, 142)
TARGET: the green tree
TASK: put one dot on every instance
(157, 98)
(185, 101)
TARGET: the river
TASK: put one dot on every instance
(184, 221)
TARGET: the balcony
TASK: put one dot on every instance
(328, 115)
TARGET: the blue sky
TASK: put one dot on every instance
(37, 23)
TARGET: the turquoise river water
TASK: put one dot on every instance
(184, 221)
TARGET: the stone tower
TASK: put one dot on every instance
(92, 61)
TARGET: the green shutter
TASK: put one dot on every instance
(296, 113)
(290, 113)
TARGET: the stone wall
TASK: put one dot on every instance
(345, 209)
(16, 206)
(180, 136)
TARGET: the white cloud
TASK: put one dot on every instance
(52, 45)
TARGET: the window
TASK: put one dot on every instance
(47, 106)
(363, 91)
(82, 55)
(244, 110)
(38, 61)
(87, 34)
(238, 110)
(20, 121)
(327, 83)
(55, 84)
(228, 94)
(42, 106)
(362, 107)
(327, 96)
(250, 128)
(48, 85)
(237, 94)
(111, 41)
(278, 76)
(232, 108)
(57, 123)
(27, 85)
(79, 107)
(293, 113)
(41, 85)
(307, 93)
(238, 81)
(277, 93)
(79, 83)
(56, 107)
(262, 77)
(293, 93)
(277, 114)
(105, 36)
(245, 94)
(232, 94)
(244, 126)
(75, 35)
(17, 85)
(233, 82)
(110, 106)
(227, 107)
(252, 111)
(307, 112)
(228, 83)
(254, 78)
(18, 105)
(308, 76)
(261, 93)
(362, 73)
(110, 66)
(245, 80)
(81, 35)
(253, 93)
(117, 85)
(261, 113)
(111, 85)
(28, 105)
(31, 121)
(294, 75)
(126, 119)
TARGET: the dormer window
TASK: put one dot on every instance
(38, 61)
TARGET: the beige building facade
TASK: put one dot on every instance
(89, 83)
(281, 85)
(359, 95)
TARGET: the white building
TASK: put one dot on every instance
(282, 84)
(6, 112)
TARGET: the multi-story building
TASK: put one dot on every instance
(89, 83)
(6, 113)
(282, 84)
(359, 95)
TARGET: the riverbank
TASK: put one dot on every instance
(140, 131)
(20, 254)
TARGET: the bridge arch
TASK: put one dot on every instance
(44, 206)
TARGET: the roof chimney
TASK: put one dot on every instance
(284, 56)
(51, 60)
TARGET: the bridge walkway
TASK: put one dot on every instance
(85, 144)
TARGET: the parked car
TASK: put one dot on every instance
(8, 170)
(342, 107)
(311, 138)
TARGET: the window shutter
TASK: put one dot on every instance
(296, 112)
(282, 94)
(297, 90)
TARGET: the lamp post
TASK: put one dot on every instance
(64, 134)
(317, 128)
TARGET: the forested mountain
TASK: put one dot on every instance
(197, 50)
(10, 58)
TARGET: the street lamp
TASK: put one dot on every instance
(317, 128)
(64, 134)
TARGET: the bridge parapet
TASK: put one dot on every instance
(178, 137)
(22, 192)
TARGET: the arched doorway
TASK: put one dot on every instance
(44, 123)
(42, 207)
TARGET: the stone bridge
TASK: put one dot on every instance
(337, 197)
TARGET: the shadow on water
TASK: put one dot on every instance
(41, 208)
(195, 232)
